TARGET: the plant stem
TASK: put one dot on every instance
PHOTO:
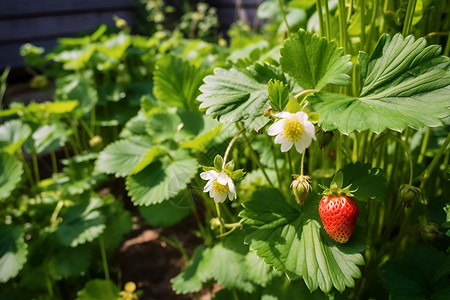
(54, 162)
(104, 260)
(427, 172)
(35, 165)
(301, 164)
(219, 217)
(229, 147)
(272, 148)
(338, 151)
(423, 147)
(327, 21)
(401, 143)
(284, 17)
(372, 25)
(289, 160)
(319, 13)
(409, 17)
(256, 159)
(343, 25)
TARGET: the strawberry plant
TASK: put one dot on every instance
(311, 155)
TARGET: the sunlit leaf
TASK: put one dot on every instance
(278, 94)
(314, 62)
(122, 157)
(13, 251)
(47, 138)
(291, 238)
(403, 83)
(77, 86)
(10, 174)
(13, 134)
(239, 95)
(176, 82)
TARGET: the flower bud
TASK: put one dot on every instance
(323, 137)
(301, 187)
(408, 194)
(39, 82)
(215, 223)
(430, 231)
(96, 141)
(268, 112)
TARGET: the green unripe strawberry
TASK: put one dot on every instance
(408, 194)
(301, 187)
(338, 214)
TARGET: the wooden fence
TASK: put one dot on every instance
(41, 22)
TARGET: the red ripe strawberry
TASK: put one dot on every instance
(339, 215)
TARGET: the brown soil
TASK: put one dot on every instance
(150, 262)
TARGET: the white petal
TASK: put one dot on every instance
(285, 146)
(279, 139)
(231, 186)
(208, 186)
(211, 174)
(222, 178)
(310, 130)
(276, 128)
(300, 146)
(231, 195)
(302, 117)
(283, 114)
(220, 197)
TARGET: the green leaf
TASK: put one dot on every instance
(47, 138)
(77, 86)
(421, 273)
(122, 157)
(118, 223)
(77, 176)
(239, 95)
(10, 174)
(368, 182)
(70, 261)
(278, 94)
(200, 142)
(168, 213)
(161, 180)
(162, 125)
(176, 82)
(13, 251)
(188, 280)
(98, 289)
(224, 263)
(60, 107)
(258, 271)
(314, 62)
(153, 154)
(134, 126)
(281, 288)
(13, 134)
(403, 83)
(291, 238)
(81, 223)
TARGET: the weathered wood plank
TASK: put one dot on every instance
(13, 8)
(25, 29)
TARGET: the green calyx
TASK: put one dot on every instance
(336, 188)
(236, 175)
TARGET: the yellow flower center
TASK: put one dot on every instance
(293, 129)
(220, 188)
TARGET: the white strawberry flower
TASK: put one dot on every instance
(219, 185)
(292, 129)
